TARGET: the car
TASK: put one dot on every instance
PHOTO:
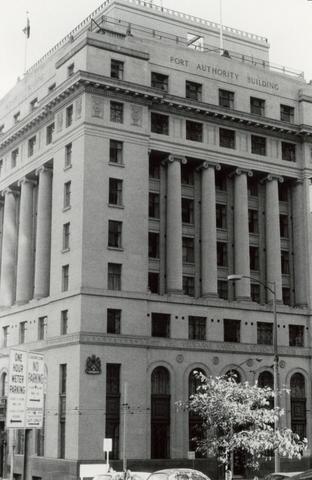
(178, 474)
(307, 475)
(281, 475)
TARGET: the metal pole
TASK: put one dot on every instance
(12, 454)
(221, 29)
(124, 458)
(276, 382)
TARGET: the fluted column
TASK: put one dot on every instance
(43, 237)
(174, 225)
(299, 235)
(9, 245)
(241, 233)
(24, 275)
(273, 236)
(209, 274)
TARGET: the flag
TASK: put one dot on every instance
(26, 30)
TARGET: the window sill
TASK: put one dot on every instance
(117, 249)
(66, 208)
(67, 167)
(115, 205)
(116, 164)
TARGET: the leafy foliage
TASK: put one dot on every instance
(239, 416)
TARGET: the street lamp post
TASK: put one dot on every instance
(272, 290)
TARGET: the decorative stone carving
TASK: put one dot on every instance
(59, 121)
(78, 107)
(179, 358)
(216, 360)
(136, 115)
(282, 364)
(93, 365)
(97, 107)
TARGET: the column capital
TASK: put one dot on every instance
(9, 190)
(175, 158)
(240, 171)
(26, 180)
(43, 168)
(208, 164)
(270, 177)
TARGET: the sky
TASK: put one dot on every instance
(286, 24)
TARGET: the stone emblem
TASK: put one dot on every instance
(93, 365)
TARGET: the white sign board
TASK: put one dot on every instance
(191, 455)
(25, 392)
(89, 470)
(107, 445)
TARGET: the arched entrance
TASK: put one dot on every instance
(160, 413)
(298, 404)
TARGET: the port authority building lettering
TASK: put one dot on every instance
(26, 389)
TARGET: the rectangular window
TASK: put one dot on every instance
(68, 155)
(194, 131)
(283, 192)
(49, 133)
(223, 289)
(154, 168)
(62, 409)
(114, 233)
(160, 81)
(67, 194)
(117, 69)
(5, 335)
(286, 296)
(193, 90)
(253, 221)
(258, 145)
(188, 285)
(116, 152)
(113, 406)
(221, 216)
(22, 332)
(160, 325)
(31, 146)
(153, 282)
(70, 70)
(296, 335)
(113, 320)
(115, 191)
(66, 236)
(289, 151)
(116, 112)
(287, 114)
(42, 328)
(197, 328)
(33, 104)
(187, 175)
(264, 333)
(252, 185)
(222, 254)
(226, 138)
(257, 106)
(255, 292)
(160, 123)
(153, 205)
(69, 115)
(16, 117)
(254, 258)
(284, 226)
(65, 278)
(285, 262)
(187, 210)
(153, 245)
(14, 157)
(231, 330)
(64, 322)
(226, 98)
(187, 250)
(220, 181)
(114, 276)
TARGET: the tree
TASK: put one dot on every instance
(240, 417)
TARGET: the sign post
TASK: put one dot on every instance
(107, 447)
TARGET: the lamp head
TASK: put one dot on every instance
(234, 277)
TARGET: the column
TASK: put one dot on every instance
(299, 236)
(43, 237)
(24, 276)
(209, 274)
(174, 225)
(273, 237)
(9, 245)
(241, 233)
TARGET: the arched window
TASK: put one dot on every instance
(234, 374)
(160, 413)
(298, 404)
(196, 431)
(266, 379)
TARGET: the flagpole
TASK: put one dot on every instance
(221, 28)
(26, 31)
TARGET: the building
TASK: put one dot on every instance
(138, 171)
